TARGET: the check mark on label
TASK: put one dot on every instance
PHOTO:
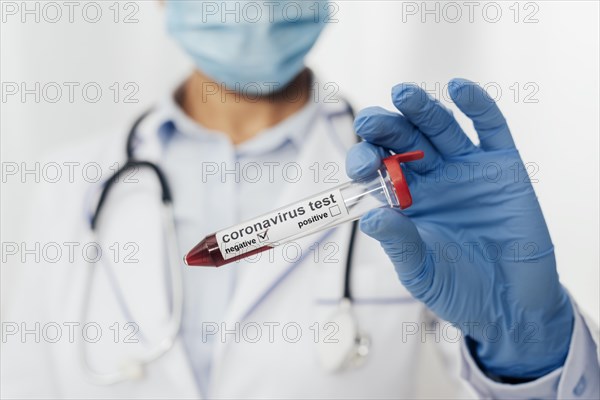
(263, 236)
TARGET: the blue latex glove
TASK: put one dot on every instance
(474, 246)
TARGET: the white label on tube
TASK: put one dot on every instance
(277, 226)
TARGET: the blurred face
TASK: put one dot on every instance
(250, 46)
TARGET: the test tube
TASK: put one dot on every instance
(343, 203)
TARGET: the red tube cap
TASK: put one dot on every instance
(392, 164)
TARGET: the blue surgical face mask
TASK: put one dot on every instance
(251, 47)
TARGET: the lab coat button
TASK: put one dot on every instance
(580, 387)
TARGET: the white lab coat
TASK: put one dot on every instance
(402, 363)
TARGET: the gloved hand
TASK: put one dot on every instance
(474, 246)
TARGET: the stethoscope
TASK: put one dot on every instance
(349, 350)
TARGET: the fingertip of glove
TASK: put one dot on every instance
(457, 82)
(456, 85)
(408, 97)
(362, 160)
(380, 221)
(404, 90)
(464, 92)
(365, 122)
(370, 223)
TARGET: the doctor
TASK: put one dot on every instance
(244, 134)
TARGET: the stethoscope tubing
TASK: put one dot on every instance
(135, 368)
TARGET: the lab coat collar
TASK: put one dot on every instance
(170, 120)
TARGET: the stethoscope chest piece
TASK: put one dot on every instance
(341, 344)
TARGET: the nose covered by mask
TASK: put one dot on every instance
(251, 47)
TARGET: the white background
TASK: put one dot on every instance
(373, 46)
